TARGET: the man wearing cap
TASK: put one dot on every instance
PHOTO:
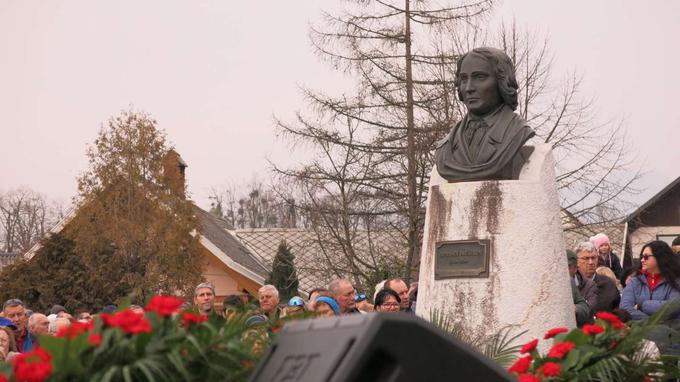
(15, 311)
(607, 257)
(675, 245)
(581, 307)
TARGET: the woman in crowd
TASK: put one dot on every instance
(8, 346)
(326, 306)
(387, 301)
(657, 283)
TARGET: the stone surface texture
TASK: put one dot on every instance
(528, 283)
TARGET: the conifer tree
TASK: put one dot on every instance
(283, 275)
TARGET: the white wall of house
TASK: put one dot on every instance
(644, 235)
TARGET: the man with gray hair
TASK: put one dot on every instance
(38, 325)
(15, 310)
(343, 292)
(204, 297)
(606, 296)
(268, 296)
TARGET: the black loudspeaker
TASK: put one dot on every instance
(372, 348)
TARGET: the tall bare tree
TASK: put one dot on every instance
(374, 146)
(25, 217)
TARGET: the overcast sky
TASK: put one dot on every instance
(213, 73)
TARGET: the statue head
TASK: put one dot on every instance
(501, 67)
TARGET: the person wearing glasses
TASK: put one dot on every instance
(387, 301)
(657, 283)
(607, 297)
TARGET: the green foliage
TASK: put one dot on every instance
(283, 275)
(57, 275)
(213, 350)
(606, 351)
(501, 346)
(132, 203)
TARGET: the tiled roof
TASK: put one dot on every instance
(317, 264)
(7, 259)
(216, 230)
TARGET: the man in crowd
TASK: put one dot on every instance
(38, 325)
(343, 292)
(268, 296)
(581, 307)
(398, 285)
(14, 310)
(675, 245)
(606, 296)
(204, 298)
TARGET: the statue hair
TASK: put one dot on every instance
(505, 74)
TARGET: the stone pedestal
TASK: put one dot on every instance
(527, 280)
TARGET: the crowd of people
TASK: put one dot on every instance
(599, 283)
(21, 328)
(636, 292)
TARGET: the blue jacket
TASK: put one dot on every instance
(649, 302)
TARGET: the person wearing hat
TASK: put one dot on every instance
(581, 308)
(675, 246)
(607, 257)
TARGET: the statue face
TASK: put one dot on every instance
(478, 85)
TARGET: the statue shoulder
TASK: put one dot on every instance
(448, 136)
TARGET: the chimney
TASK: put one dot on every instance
(173, 170)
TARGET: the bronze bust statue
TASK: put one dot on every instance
(486, 143)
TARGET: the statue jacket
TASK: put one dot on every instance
(507, 134)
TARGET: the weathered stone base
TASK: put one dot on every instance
(528, 283)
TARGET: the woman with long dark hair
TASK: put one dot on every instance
(657, 283)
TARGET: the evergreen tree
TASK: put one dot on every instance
(283, 275)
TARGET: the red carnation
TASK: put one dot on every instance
(528, 378)
(95, 339)
(3, 378)
(611, 318)
(529, 346)
(553, 332)
(560, 350)
(189, 318)
(127, 320)
(551, 369)
(72, 331)
(34, 366)
(164, 305)
(521, 366)
(592, 329)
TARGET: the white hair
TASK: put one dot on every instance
(378, 287)
(33, 318)
(334, 286)
(269, 287)
(203, 286)
(585, 246)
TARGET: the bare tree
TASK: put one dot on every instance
(25, 217)
(375, 146)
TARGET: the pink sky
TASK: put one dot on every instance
(214, 72)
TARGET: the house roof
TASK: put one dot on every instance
(317, 262)
(217, 238)
(652, 201)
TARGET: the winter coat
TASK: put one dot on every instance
(637, 292)
(608, 297)
(612, 262)
(588, 289)
(583, 313)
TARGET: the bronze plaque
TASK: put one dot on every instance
(462, 258)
